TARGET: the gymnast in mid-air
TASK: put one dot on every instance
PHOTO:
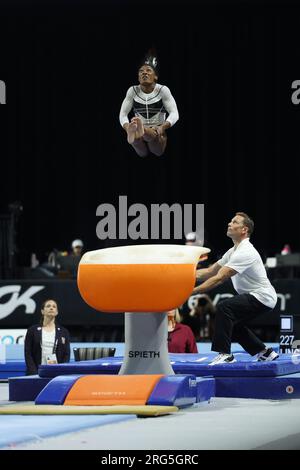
(154, 110)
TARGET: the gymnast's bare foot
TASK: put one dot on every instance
(140, 127)
(131, 132)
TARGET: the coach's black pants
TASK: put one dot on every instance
(232, 316)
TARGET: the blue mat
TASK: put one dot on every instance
(245, 366)
(55, 392)
(12, 368)
(101, 366)
(174, 390)
(206, 388)
(194, 364)
(16, 429)
(26, 388)
(272, 388)
(15, 363)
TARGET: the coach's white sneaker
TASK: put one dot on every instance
(267, 355)
(222, 358)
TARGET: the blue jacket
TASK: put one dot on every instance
(33, 349)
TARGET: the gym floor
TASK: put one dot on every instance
(222, 424)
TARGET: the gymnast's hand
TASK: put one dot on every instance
(159, 130)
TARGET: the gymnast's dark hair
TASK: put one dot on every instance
(151, 60)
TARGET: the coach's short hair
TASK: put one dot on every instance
(248, 222)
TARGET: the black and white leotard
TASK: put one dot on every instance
(150, 107)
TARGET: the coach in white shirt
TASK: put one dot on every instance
(256, 295)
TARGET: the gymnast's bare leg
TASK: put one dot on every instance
(135, 137)
(157, 141)
(155, 137)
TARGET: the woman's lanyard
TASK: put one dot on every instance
(55, 346)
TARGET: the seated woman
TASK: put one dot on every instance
(201, 318)
(48, 342)
(180, 337)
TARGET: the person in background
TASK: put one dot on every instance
(201, 318)
(75, 257)
(193, 239)
(180, 337)
(66, 263)
(77, 248)
(48, 342)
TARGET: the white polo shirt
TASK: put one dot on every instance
(48, 339)
(251, 277)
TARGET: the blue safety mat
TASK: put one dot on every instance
(12, 365)
(101, 366)
(12, 368)
(272, 388)
(26, 388)
(195, 364)
(56, 390)
(245, 366)
(15, 363)
(16, 429)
